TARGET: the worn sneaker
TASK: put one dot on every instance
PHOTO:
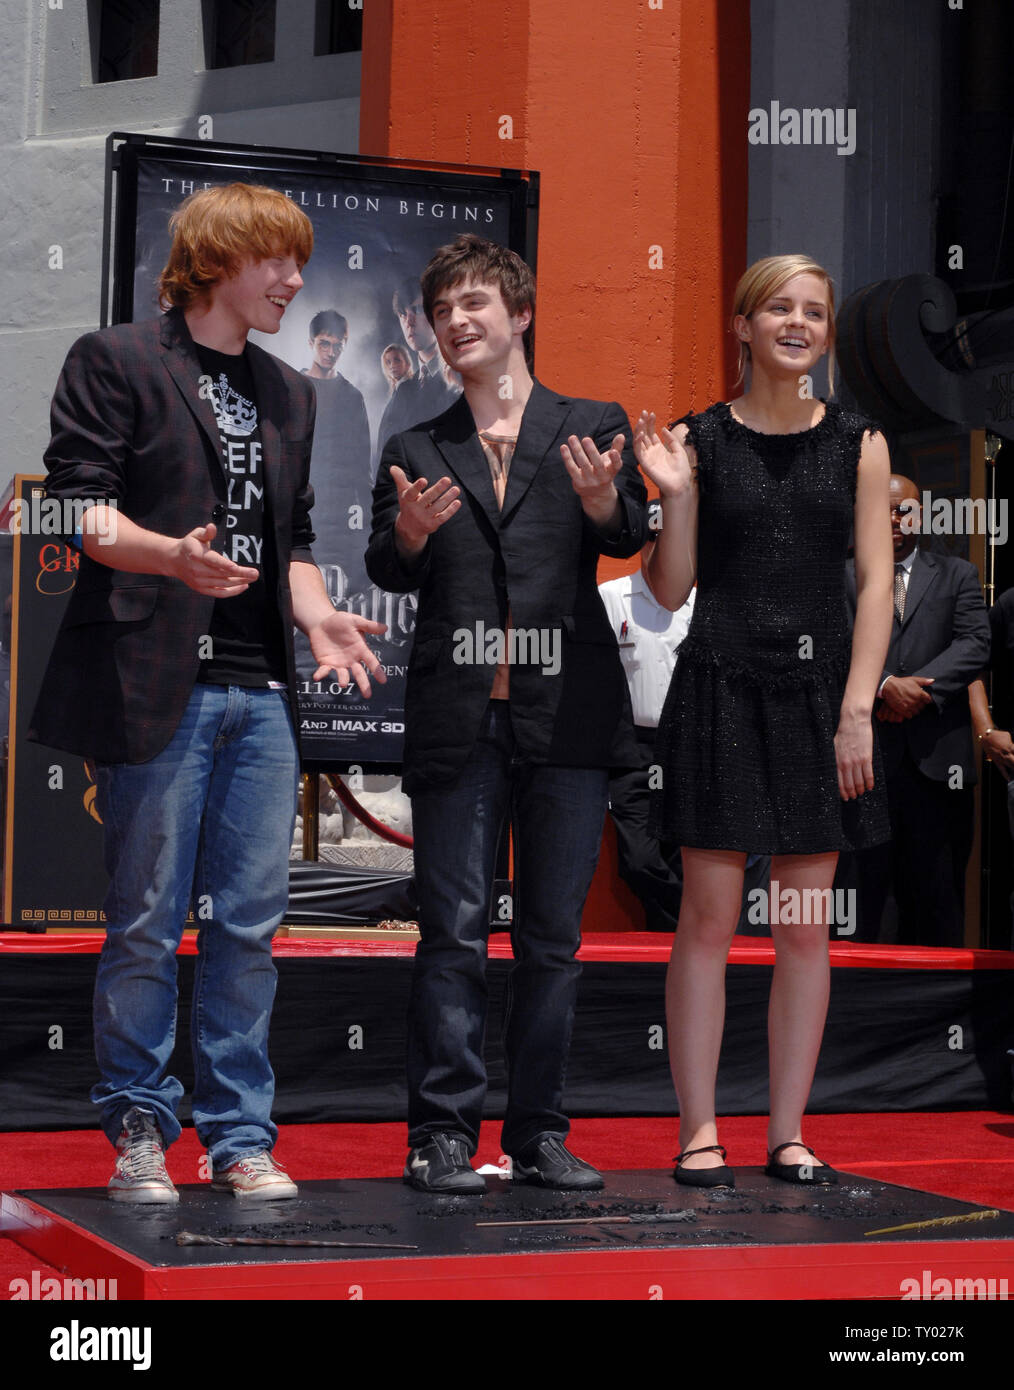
(140, 1175)
(255, 1175)
(547, 1162)
(441, 1165)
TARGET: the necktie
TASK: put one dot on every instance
(899, 591)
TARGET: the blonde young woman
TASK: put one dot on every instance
(766, 742)
(396, 365)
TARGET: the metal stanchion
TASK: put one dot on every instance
(311, 818)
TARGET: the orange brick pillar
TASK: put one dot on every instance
(635, 116)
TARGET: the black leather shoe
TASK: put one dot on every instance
(441, 1165)
(703, 1177)
(546, 1162)
(808, 1174)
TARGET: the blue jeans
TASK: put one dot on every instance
(210, 818)
(558, 814)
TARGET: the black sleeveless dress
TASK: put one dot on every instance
(745, 740)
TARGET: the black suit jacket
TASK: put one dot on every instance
(420, 397)
(340, 463)
(945, 634)
(129, 425)
(539, 555)
(1001, 624)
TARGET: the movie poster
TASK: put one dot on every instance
(358, 332)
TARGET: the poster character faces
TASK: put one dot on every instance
(414, 326)
(329, 332)
(396, 364)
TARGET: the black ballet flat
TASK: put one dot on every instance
(807, 1174)
(703, 1177)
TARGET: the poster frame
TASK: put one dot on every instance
(125, 154)
(124, 150)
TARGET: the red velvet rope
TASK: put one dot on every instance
(350, 803)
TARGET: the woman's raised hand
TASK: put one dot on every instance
(662, 457)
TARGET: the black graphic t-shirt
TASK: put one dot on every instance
(247, 646)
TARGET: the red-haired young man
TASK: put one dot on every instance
(173, 670)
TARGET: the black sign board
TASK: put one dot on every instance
(53, 874)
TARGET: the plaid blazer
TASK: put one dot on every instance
(129, 425)
(539, 555)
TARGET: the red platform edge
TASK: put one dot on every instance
(784, 1272)
(633, 947)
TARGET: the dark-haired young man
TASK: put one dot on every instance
(173, 670)
(426, 393)
(340, 466)
(329, 332)
(516, 704)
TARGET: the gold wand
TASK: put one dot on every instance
(936, 1221)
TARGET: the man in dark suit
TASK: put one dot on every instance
(426, 393)
(994, 734)
(173, 669)
(340, 468)
(939, 642)
(340, 464)
(516, 703)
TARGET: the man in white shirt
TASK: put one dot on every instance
(648, 636)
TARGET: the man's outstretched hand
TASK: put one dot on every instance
(206, 570)
(422, 509)
(338, 644)
(592, 474)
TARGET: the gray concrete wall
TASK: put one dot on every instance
(53, 125)
(799, 58)
(868, 215)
